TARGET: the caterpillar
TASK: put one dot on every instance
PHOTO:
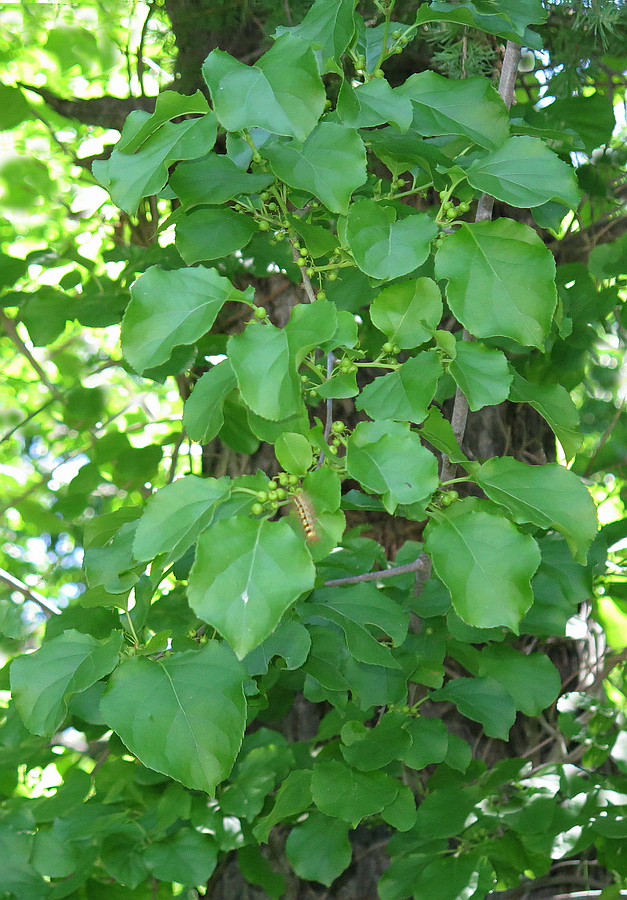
(305, 511)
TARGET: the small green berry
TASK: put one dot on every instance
(260, 313)
(281, 494)
(321, 295)
(256, 509)
(272, 206)
(333, 450)
(338, 427)
(352, 369)
(301, 261)
(388, 347)
(313, 393)
(332, 276)
(453, 495)
(263, 225)
(396, 34)
(274, 504)
(272, 495)
(396, 349)
(282, 476)
(379, 73)
(265, 196)
(256, 157)
(304, 379)
(311, 272)
(262, 496)
(295, 245)
(336, 442)
(293, 480)
(272, 485)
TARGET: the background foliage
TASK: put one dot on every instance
(242, 328)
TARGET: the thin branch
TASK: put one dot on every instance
(414, 566)
(11, 332)
(606, 436)
(46, 605)
(329, 405)
(32, 415)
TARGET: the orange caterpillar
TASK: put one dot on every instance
(305, 511)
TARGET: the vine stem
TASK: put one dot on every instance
(415, 566)
(507, 84)
(46, 605)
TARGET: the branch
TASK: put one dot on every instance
(507, 83)
(415, 566)
(49, 608)
(11, 332)
(106, 112)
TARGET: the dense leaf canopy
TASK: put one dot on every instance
(312, 333)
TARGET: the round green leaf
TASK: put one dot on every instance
(294, 452)
(485, 562)
(265, 372)
(341, 791)
(525, 173)
(408, 312)
(482, 700)
(211, 233)
(331, 164)
(389, 459)
(481, 373)
(175, 515)
(186, 857)
(182, 715)
(383, 247)
(319, 849)
(532, 681)
(501, 280)
(406, 393)
(43, 682)
(168, 309)
(282, 92)
(214, 180)
(244, 589)
(548, 496)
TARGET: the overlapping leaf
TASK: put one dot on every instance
(405, 394)
(168, 309)
(246, 575)
(266, 375)
(408, 312)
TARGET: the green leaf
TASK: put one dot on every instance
(389, 459)
(525, 173)
(175, 516)
(290, 640)
(43, 682)
(309, 326)
(256, 869)
(365, 605)
(510, 22)
(482, 700)
(548, 496)
(294, 453)
(408, 312)
(501, 280)
(485, 562)
(169, 105)
(186, 857)
(183, 715)
(203, 416)
(341, 791)
(406, 393)
(368, 749)
(554, 403)
(383, 247)
(331, 164)
(328, 27)
(168, 309)
(214, 180)
(532, 681)
(130, 176)
(373, 103)
(470, 107)
(244, 590)
(282, 92)
(482, 374)
(293, 797)
(439, 432)
(266, 375)
(319, 848)
(429, 742)
(454, 878)
(14, 107)
(401, 813)
(211, 233)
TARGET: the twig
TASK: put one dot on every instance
(11, 332)
(507, 83)
(329, 405)
(46, 605)
(32, 415)
(606, 436)
(414, 566)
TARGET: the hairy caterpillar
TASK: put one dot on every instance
(305, 511)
